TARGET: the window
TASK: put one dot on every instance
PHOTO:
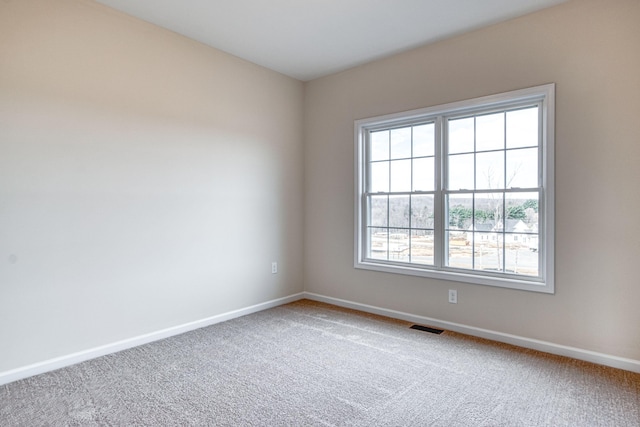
(462, 191)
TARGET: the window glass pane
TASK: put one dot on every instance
(521, 254)
(399, 245)
(379, 177)
(488, 251)
(423, 140)
(460, 172)
(422, 221)
(529, 264)
(422, 212)
(459, 254)
(521, 238)
(524, 207)
(378, 211)
(522, 128)
(422, 246)
(401, 143)
(516, 205)
(514, 240)
(380, 145)
(399, 211)
(461, 135)
(459, 211)
(522, 168)
(490, 170)
(378, 238)
(401, 175)
(423, 174)
(490, 132)
(489, 212)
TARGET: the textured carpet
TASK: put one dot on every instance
(313, 364)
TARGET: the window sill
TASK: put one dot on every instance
(532, 285)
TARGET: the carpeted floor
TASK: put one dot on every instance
(312, 364)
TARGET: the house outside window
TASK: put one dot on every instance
(462, 191)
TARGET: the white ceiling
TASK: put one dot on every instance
(306, 39)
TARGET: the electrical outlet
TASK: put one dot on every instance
(274, 267)
(453, 296)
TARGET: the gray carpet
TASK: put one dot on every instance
(311, 364)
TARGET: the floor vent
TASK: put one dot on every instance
(427, 329)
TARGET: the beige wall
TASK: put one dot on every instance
(591, 50)
(146, 180)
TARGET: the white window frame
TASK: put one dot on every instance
(545, 96)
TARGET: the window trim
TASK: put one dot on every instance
(545, 95)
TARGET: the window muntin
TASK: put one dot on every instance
(460, 192)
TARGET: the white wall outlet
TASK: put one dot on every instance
(274, 267)
(453, 296)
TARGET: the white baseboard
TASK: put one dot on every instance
(71, 359)
(547, 347)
